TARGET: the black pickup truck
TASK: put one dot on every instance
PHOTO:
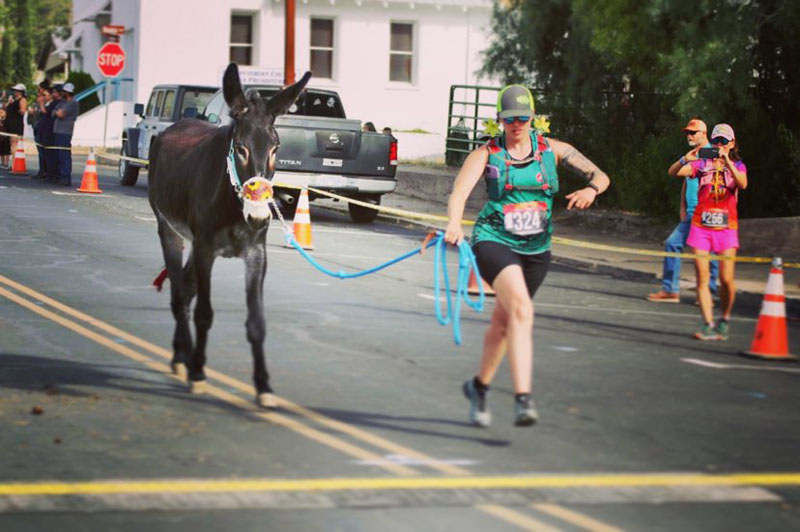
(321, 148)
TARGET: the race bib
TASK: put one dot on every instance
(525, 218)
(714, 218)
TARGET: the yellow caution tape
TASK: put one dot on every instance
(556, 240)
(440, 218)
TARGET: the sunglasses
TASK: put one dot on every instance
(512, 119)
(720, 140)
(690, 133)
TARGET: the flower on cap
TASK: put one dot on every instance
(491, 127)
(541, 124)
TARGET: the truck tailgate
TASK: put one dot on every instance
(332, 145)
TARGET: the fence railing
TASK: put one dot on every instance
(115, 84)
(468, 108)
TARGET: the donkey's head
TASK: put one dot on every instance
(254, 141)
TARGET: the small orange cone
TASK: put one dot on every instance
(89, 181)
(771, 341)
(302, 222)
(19, 166)
(472, 287)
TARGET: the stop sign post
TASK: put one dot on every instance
(110, 61)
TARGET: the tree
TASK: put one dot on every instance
(21, 18)
(622, 76)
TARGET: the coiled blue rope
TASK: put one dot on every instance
(466, 263)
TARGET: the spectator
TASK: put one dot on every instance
(66, 112)
(37, 113)
(50, 154)
(5, 142)
(369, 126)
(512, 236)
(697, 137)
(16, 107)
(715, 225)
(387, 131)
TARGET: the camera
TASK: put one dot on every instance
(708, 153)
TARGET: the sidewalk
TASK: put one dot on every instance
(425, 190)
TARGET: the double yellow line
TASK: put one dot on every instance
(409, 479)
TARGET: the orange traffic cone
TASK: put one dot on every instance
(771, 341)
(472, 287)
(302, 222)
(19, 166)
(89, 181)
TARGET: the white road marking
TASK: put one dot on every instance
(146, 218)
(694, 315)
(566, 348)
(59, 193)
(717, 365)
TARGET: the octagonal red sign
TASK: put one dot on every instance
(111, 59)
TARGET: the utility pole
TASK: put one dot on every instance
(288, 58)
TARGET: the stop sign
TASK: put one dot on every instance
(111, 59)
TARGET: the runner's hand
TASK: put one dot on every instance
(454, 234)
(581, 199)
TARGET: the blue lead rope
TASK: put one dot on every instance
(466, 263)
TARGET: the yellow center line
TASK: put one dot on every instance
(222, 395)
(516, 518)
(566, 481)
(344, 428)
(579, 520)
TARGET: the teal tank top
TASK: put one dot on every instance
(520, 207)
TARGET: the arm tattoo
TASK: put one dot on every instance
(579, 165)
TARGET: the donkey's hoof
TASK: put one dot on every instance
(179, 369)
(266, 400)
(198, 386)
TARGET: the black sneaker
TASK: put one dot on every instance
(525, 413)
(478, 411)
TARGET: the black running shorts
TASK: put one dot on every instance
(492, 258)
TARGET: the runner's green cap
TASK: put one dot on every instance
(514, 100)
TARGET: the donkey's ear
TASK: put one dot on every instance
(232, 90)
(281, 102)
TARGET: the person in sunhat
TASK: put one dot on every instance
(511, 238)
(16, 107)
(715, 224)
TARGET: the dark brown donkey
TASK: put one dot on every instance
(196, 194)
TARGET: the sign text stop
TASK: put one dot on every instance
(111, 59)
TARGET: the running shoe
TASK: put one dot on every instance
(664, 297)
(707, 332)
(478, 410)
(722, 329)
(525, 413)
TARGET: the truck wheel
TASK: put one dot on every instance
(364, 215)
(128, 174)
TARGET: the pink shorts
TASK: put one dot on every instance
(713, 240)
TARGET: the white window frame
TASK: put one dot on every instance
(253, 46)
(412, 53)
(331, 49)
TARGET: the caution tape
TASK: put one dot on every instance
(556, 240)
(439, 218)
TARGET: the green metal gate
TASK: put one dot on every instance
(469, 108)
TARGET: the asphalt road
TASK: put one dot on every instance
(642, 428)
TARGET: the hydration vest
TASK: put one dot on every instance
(520, 192)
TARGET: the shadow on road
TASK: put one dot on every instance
(400, 424)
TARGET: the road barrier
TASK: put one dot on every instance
(422, 217)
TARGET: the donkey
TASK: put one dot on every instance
(196, 194)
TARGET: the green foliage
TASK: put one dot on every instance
(619, 79)
(83, 80)
(26, 25)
